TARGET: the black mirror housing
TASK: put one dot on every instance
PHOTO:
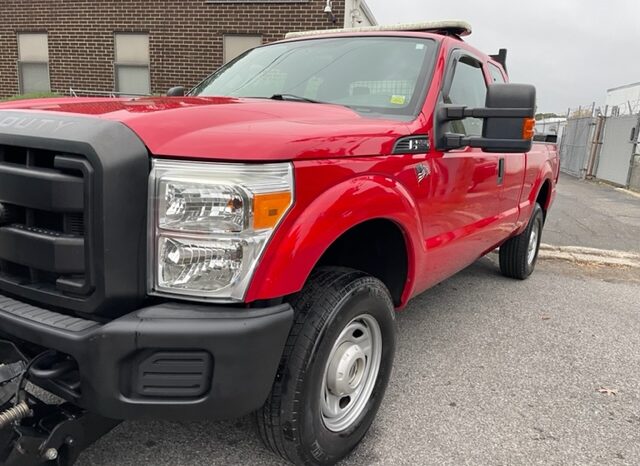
(508, 120)
(177, 91)
(521, 96)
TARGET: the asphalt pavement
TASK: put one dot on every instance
(594, 215)
(488, 371)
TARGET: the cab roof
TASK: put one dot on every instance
(457, 28)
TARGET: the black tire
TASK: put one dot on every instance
(514, 253)
(291, 421)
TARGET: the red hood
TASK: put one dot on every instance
(236, 129)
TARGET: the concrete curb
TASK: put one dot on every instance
(629, 192)
(582, 255)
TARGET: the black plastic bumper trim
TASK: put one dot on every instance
(244, 345)
(37, 315)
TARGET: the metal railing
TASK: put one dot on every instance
(111, 94)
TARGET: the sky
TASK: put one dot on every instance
(571, 50)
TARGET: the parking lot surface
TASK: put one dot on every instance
(593, 215)
(488, 371)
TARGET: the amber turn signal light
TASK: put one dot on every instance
(528, 127)
(269, 208)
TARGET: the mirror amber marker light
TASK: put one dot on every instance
(528, 126)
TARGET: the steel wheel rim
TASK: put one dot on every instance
(533, 244)
(350, 373)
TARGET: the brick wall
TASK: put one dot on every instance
(185, 36)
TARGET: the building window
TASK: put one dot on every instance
(237, 45)
(132, 75)
(33, 63)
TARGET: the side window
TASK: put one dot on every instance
(468, 88)
(496, 74)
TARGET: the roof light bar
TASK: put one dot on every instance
(455, 27)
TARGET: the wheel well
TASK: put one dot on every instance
(543, 196)
(376, 247)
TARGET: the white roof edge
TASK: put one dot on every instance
(368, 13)
(625, 86)
(461, 28)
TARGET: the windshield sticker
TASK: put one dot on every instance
(398, 99)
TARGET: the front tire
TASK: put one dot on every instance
(518, 255)
(334, 369)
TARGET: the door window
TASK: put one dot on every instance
(496, 74)
(468, 88)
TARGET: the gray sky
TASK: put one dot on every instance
(572, 50)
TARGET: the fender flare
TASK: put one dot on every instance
(546, 174)
(526, 208)
(311, 228)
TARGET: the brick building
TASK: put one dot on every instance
(145, 46)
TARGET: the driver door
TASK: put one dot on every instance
(461, 212)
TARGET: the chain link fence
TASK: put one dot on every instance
(576, 142)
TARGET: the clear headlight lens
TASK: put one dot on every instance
(193, 206)
(209, 224)
(207, 265)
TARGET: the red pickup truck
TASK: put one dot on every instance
(243, 247)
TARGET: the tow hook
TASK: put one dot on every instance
(33, 432)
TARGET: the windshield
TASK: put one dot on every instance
(369, 74)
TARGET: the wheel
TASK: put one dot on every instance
(519, 254)
(334, 369)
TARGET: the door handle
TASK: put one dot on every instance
(500, 170)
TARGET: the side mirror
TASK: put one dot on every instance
(508, 120)
(177, 91)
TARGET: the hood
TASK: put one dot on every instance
(236, 129)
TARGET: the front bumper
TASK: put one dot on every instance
(169, 361)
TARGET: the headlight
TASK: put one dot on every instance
(210, 223)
